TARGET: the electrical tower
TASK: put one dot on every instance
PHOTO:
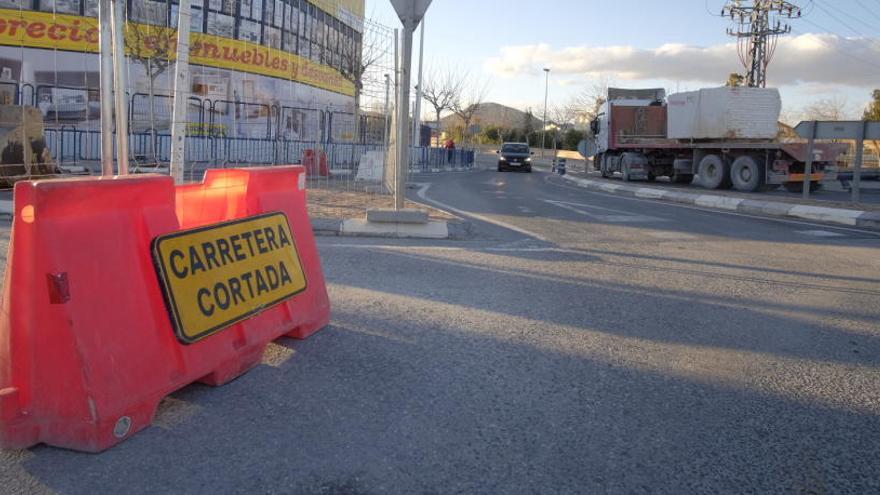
(759, 24)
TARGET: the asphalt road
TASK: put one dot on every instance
(576, 342)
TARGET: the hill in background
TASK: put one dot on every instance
(493, 114)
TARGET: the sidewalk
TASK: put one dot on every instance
(861, 215)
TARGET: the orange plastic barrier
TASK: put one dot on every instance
(95, 328)
(316, 163)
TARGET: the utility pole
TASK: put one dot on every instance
(181, 94)
(544, 120)
(417, 108)
(120, 83)
(105, 38)
(410, 13)
(759, 24)
(111, 17)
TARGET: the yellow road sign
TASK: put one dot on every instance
(218, 275)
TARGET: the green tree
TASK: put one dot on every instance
(491, 135)
(873, 110)
(571, 139)
(528, 122)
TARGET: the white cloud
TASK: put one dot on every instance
(807, 58)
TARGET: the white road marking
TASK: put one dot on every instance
(619, 217)
(391, 246)
(524, 209)
(820, 233)
(671, 235)
(585, 205)
(421, 193)
(388, 247)
(708, 210)
(629, 218)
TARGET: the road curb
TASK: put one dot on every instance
(435, 229)
(842, 216)
(335, 227)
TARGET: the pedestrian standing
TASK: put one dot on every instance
(450, 150)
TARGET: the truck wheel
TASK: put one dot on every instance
(797, 187)
(714, 172)
(682, 178)
(651, 177)
(746, 174)
(603, 167)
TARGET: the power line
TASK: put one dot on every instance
(871, 28)
(835, 47)
(867, 9)
(841, 21)
(759, 25)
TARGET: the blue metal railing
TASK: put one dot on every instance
(71, 146)
(425, 159)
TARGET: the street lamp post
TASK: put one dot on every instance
(544, 120)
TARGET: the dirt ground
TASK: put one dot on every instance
(342, 204)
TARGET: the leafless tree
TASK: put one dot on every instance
(359, 57)
(153, 46)
(590, 100)
(442, 88)
(469, 101)
(567, 114)
(832, 108)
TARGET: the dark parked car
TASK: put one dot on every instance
(514, 156)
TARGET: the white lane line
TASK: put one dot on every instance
(629, 219)
(390, 247)
(671, 235)
(620, 217)
(872, 233)
(820, 233)
(567, 206)
(421, 193)
(585, 205)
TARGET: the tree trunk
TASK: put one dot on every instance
(357, 116)
(439, 127)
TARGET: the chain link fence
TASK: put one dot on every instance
(323, 96)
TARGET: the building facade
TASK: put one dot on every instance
(274, 69)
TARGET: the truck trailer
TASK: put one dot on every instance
(726, 137)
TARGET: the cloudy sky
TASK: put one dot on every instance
(833, 51)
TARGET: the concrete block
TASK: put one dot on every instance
(430, 230)
(326, 226)
(681, 197)
(869, 219)
(650, 193)
(773, 208)
(823, 214)
(392, 216)
(720, 202)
